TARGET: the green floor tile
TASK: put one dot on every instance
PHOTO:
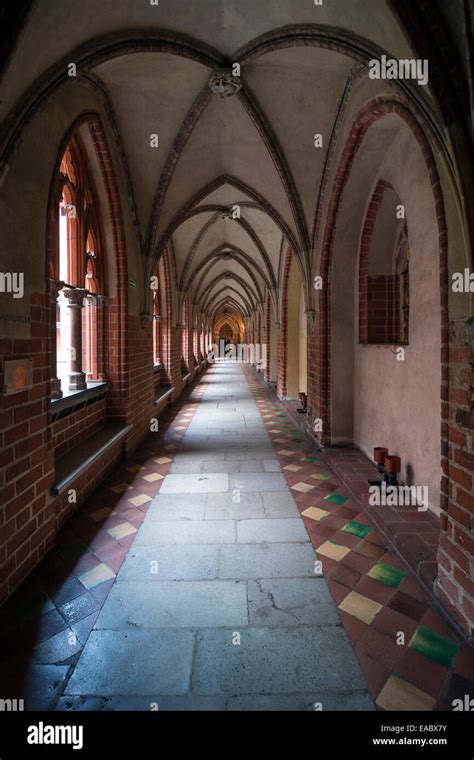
(387, 574)
(336, 498)
(74, 551)
(34, 609)
(357, 529)
(433, 645)
(309, 459)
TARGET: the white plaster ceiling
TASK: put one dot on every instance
(263, 137)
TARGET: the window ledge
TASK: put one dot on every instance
(78, 459)
(185, 378)
(60, 407)
(165, 393)
(158, 367)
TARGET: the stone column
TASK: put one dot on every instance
(101, 304)
(95, 337)
(54, 287)
(75, 298)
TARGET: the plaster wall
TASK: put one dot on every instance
(397, 403)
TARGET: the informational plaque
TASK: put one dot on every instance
(18, 375)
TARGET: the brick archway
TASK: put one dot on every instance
(453, 585)
(118, 304)
(320, 342)
(283, 331)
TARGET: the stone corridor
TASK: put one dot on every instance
(190, 582)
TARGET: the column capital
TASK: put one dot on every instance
(75, 297)
(54, 286)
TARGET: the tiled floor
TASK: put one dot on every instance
(411, 658)
(188, 581)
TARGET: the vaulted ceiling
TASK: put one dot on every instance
(254, 149)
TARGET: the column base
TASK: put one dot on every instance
(77, 381)
(56, 391)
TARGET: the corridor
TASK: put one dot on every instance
(217, 604)
(226, 567)
(236, 358)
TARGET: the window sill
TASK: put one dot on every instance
(70, 466)
(163, 395)
(74, 400)
(157, 368)
(389, 344)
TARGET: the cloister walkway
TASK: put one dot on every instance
(225, 566)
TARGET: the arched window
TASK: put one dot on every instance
(184, 339)
(79, 270)
(157, 316)
(384, 293)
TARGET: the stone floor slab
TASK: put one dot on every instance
(134, 662)
(275, 661)
(187, 532)
(174, 604)
(190, 484)
(271, 531)
(267, 561)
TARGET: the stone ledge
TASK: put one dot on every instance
(62, 407)
(77, 460)
(166, 394)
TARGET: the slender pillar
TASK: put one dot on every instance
(54, 287)
(94, 331)
(75, 298)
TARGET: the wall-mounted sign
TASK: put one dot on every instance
(18, 375)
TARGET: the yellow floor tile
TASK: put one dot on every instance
(302, 487)
(101, 514)
(121, 488)
(97, 575)
(333, 551)
(162, 460)
(401, 695)
(137, 501)
(120, 531)
(293, 468)
(360, 606)
(314, 513)
(153, 477)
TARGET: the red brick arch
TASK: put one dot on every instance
(320, 342)
(118, 305)
(456, 550)
(282, 348)
(366, 323)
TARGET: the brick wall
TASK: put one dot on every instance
(74, 428)
(379, 297)
(455, 583)
(379, 309)
(282, 352)
(26, 514)
(268, 313)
